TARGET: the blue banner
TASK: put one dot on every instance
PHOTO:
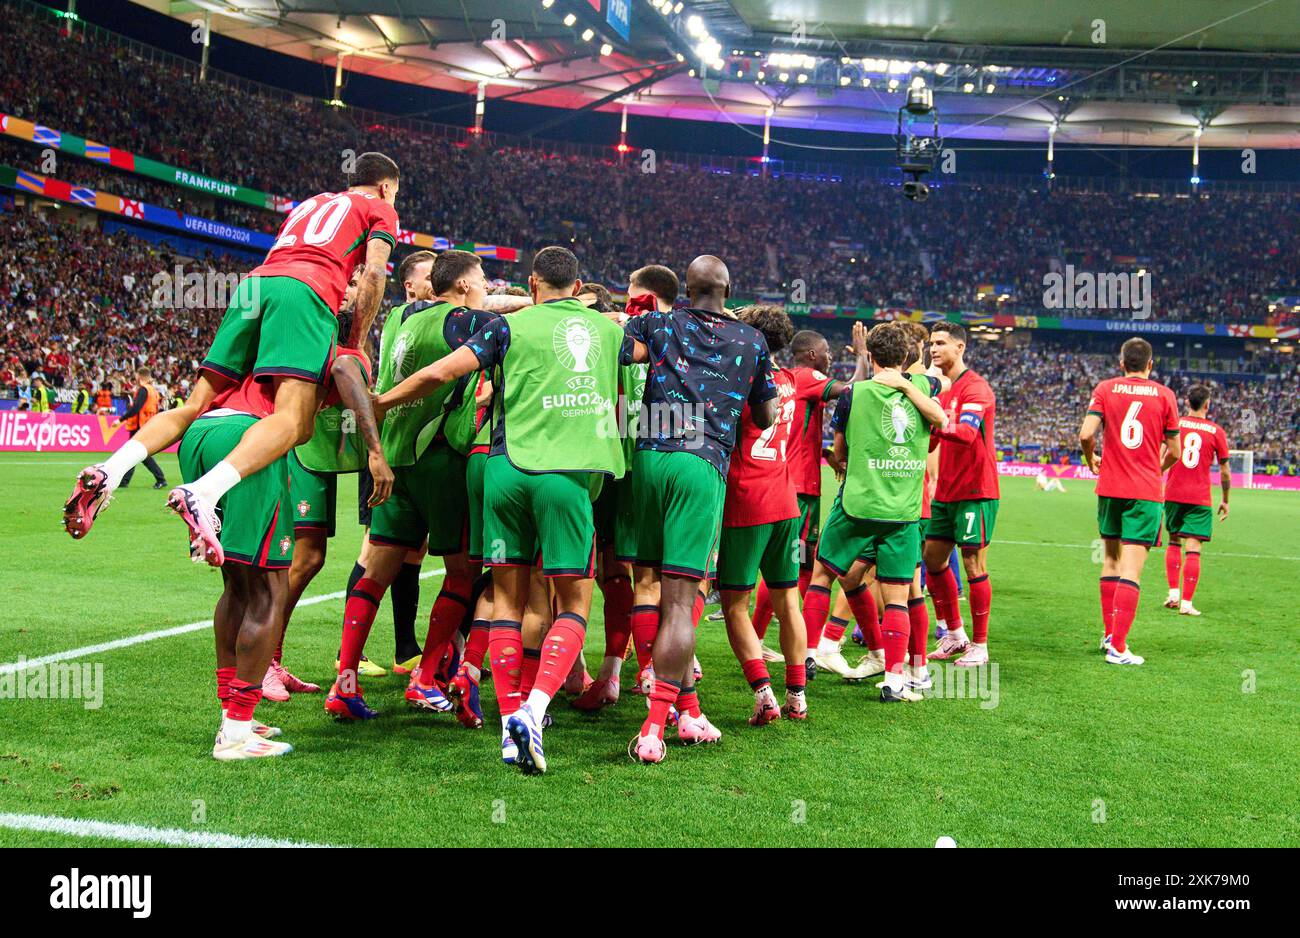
(618, 14)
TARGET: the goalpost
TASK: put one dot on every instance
(1243, 461)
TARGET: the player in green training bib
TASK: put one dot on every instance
(554, 368)
(882, 436)
(429, 495)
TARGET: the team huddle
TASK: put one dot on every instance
(542, 445)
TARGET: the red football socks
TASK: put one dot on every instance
(919, 619)
(476, 645)
(863, 605)
(816, 606)
(688, 702)
(444, 619)
(1191, 573)
(224, 677)
(1108, 603)
(506, 650)
(528, 676)
(662, 697)
(645, 626)
(243, 700)
(358, 617)
(1127, 594)
(894, 631)
(618, 615)
(755, 672)
(981, 598)
(560, 649)
(796, 677)
(835, 628)
(943, 589)
(1173, 560)
(762, 610)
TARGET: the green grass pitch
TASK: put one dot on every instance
(1195, 748)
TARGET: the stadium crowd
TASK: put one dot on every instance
(851, 242)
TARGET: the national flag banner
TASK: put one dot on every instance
(17, 127)
(120, 159)
(283, 205)
(507, 254)
(132, 209)
(107, 202)
(441, 244)
(47, 137)
(466, 246)
(405, 237)
(1288, 332)
(486, 250)
(30, 182)
(58, 189)
(84, 196)
(1236, 329)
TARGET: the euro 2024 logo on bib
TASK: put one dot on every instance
(401, 345)
(575, 344)
(899, 421)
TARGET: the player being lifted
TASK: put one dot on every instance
(555, 370)
(760, 534)
(281, 327)
(705, 366)
(965, 504)
(1139, 419)
(882, 437)
(1188, 519)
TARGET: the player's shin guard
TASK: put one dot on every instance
(662, 698)
(894, 632)
(1108, 603)
(816, 607)
(618, 615)
(560, 649)
(919, 618)
(763, 611)
(1173, 561)
(645, 626)
(1191, 573)
(981, 598)
(506, 649)
(863, 605)
(1127, 594)
(444, 619)
(358, 617)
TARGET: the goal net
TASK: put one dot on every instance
(1243, 461)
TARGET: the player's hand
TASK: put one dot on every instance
(377, 407)
(890, 379)
(859, 339)
(383, 476)
(1094, 463)
(1223, 511)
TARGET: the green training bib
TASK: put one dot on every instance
(887, 441)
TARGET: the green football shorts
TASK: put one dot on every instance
(810, 523)
(679, 498)
(475, 467)
(274, 327)
(1131, 520)
(429, 500)
(896, 545)
(256, 521)
(530, 513)
(1189, 520)
(965, 523)
(313, 496)
(772, 549)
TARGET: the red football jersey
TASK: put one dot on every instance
(255, 397)
(324, 238)
(1189, 481)
(760, 487)
(805, 448)
(968, 471)
(1137, 414)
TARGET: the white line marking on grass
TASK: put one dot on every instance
(139, 834)
(1216, 553)
(15, 666)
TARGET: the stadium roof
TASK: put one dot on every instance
(1110, 71)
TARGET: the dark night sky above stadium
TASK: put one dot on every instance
(446, 107)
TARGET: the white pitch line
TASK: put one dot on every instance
(1212, 551)
(139, 834)
(15, 666)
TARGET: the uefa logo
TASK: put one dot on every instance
(575, 343)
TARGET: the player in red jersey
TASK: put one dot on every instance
(760, 533)
(965, 503)
(1188, 520)
(813, 388)
(1140, 421)
(280, 327)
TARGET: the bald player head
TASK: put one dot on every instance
(708, 283)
